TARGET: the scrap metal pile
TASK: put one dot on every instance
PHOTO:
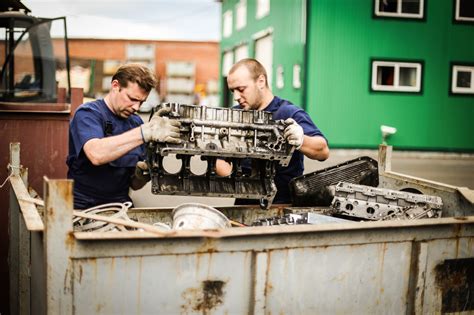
(370, 203)
(314, 188)
(225, 133)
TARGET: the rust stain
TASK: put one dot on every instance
(198, 261)
(382, 264)
(205, 298)
(70, 241)
(93, 263)
(455, 280)
(457, 247)
(66, 277)
(99, 307)
(457, 229)
(112, 262)
(268, 285)
(207, 246)
(209, 265)
(253, 279)
(140, 270)
(80, 273)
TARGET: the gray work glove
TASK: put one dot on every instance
(161, 129)
(293, 133)
(141, 176)
(141, 171)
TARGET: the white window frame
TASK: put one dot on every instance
(263, 9)
(457, 11)
(227, 62)
(227, 23)
(399, 13)
(241, 14)
(396, 87)
(241, 52)
(461, 90)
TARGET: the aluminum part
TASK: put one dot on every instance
(371, 203)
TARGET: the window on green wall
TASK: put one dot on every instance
(241, 52)
(462, 79)
(464, 10)
(263, 8)
(395, 76)
(227, 24)
(241, 14)
(399, 8)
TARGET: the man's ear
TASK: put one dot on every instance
(261, 82)
(115, 85)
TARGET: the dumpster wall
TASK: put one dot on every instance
(407, 266)
(358, 267)
(42, 130)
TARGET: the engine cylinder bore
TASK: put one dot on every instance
(171, 164)
(198, 165)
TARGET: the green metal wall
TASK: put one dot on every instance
(343, 36)
(287, 21)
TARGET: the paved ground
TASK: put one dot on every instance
(448, 168)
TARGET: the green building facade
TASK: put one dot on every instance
(355, 65)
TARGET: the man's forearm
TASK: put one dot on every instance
(105, 150)
(315, 148)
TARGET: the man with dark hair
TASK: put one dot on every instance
(106, 140)
(247, 80)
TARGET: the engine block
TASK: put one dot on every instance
(371, 203)
(224, 133)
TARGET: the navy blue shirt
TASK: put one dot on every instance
(283, 109)
(94, 185)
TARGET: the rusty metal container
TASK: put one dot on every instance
(42, 129)
(421, 266)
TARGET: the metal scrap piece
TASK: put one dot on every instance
(312, 189)
(371, 203)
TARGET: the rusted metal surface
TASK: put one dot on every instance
(371, 267)
(58, 219)
(390, 267)
(43, 134)
(455, 279)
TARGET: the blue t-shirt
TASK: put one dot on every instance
(283, 109)
(94, 185)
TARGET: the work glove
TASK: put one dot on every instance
(161, 129)
(293, 133)
(142, 174)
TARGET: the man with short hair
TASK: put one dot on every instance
(247, 80)
(106, 140)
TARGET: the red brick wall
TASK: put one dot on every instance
(204, 54)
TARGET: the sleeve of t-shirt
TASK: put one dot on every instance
(309, 128)
(85, 126)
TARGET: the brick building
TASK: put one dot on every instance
(103, 56)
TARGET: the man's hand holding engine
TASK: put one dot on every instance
(161, 129)
(294, 133)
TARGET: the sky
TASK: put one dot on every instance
(194, 20)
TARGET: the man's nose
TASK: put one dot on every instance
(136, 106)
(236, 95)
